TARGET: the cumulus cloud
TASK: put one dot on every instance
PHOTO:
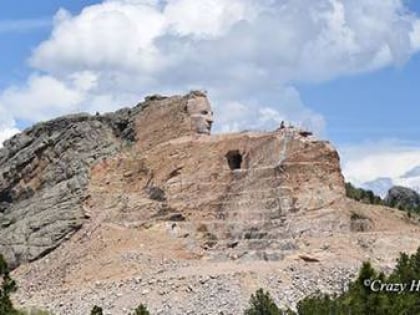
(7, 126)
(259, 113)
(42, 96)
(207, 18)
(6, 134)
(389, 158)
(248, 54)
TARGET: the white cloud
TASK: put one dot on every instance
(248, 54)
(106, 37)
(45, 97)
(7, 126)
(255, 111)
(415, 36)
(207, 18)
(42, 97)
(372, 160)
(6, 134)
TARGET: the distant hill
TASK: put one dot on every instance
(403, 198)
(381, 185)
(399, 197)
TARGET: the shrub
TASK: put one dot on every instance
(362, 195)
(8, 286)
(360, 299)
(261, 303)
(96, 310)
(141, 310)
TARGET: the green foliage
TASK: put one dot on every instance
(362, 195)
(8, 286)
(368, 197)
(359, 299)
(141, 310)
(96, 310)
(261, 303)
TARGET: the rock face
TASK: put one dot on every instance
(147, 203)
(236, 194)
(44, 172)
(43, 176)
(403, 198)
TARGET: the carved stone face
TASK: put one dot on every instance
(201, 114)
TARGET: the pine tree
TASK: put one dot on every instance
(8, 286)
(262, 304)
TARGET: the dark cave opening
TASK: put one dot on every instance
(234, 159)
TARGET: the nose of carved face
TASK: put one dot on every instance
(208, 120)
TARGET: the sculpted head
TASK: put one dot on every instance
(200, 111)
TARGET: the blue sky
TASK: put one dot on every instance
(377, 105)
(16, 45)
(382, 104)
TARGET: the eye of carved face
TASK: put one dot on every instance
(201, 114)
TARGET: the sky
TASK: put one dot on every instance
(346, 69)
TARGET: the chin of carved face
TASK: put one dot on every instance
(201, 124)
(201, 114)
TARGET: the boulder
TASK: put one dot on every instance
(403, 198)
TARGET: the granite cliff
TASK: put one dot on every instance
(146, 204)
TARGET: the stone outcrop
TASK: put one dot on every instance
(245, 192)
(43, 177)
(146, 202)
(44, 171)
(403, 198)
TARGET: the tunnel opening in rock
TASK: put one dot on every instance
(234, 159)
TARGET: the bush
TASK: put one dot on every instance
(362, 195)
(141, 310)
(96, 310)
(360, 299)
(262, 304)
(8, 286)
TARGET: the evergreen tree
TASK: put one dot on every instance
(360, 299)
(8, 286)
(262, 304)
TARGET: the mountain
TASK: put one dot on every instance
(145, 205)
(403, 198)
(410, 179)
(380, 186)
(415, 172)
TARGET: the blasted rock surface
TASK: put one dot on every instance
(186, 221)
(44, 171)
(43, 175)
